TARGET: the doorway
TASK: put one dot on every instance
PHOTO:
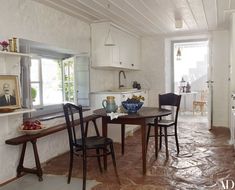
(190, 76)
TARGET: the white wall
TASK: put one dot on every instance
(101, 80)
(220, 74)
(152, 74)
(232, 78)
(33, 21)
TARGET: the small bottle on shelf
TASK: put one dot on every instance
(15, 45)
(10, 45)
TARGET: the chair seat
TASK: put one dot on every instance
(94, 142)
(164, 123)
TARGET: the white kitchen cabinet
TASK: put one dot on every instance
(125, 54)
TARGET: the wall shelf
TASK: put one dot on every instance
(14, 54)
(17, 111)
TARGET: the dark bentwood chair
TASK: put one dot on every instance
(172, 100)
(79, 146)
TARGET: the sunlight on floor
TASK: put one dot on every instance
(189, 117)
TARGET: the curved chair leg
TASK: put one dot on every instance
(156, 140)
(176, 140)
(105, 158)
(70, 166)
(84, 165)
(86, 128)
(114, 162)
(160, 143)
(96, 128)
(148, 135)
(166, 141)
(98, 159)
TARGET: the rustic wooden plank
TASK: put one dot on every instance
(25, 138)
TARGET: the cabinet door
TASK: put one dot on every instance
(135, 53)
(115, 50)
(129, 50)
(101, 54)
(125, 47)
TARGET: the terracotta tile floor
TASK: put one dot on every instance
(206, 160)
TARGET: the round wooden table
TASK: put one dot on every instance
(141, 118)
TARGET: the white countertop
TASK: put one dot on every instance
(117, 91)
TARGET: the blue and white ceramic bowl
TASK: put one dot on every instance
(132, 107)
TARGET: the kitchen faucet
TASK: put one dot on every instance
(119, 78)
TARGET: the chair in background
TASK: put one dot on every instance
(200, 103)
(80, 146)
(171, 100)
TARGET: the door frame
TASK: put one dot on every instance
(209, 70)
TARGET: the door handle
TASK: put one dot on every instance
(210, 81)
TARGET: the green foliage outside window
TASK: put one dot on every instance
(69, 81)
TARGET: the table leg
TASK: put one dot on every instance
(123, 138)
(104, 134)
(143, 133)
(156, 136)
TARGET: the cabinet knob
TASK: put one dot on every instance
(120, 62)
(132, 65)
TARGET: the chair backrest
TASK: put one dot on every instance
(170, 99)
(73, 113)
(203, 95)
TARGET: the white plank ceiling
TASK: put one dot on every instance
(150, 17)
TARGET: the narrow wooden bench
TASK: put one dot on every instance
(33, 139)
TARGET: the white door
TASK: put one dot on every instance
(209, 86)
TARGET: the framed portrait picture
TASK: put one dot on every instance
(9, 92)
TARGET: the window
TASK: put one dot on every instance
(52, 81)
(46, 81)
(52, 76)
(68, 80)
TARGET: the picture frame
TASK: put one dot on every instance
(9, 92)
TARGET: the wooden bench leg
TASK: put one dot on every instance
(21, 168)
(21, 162)
(37, 161)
